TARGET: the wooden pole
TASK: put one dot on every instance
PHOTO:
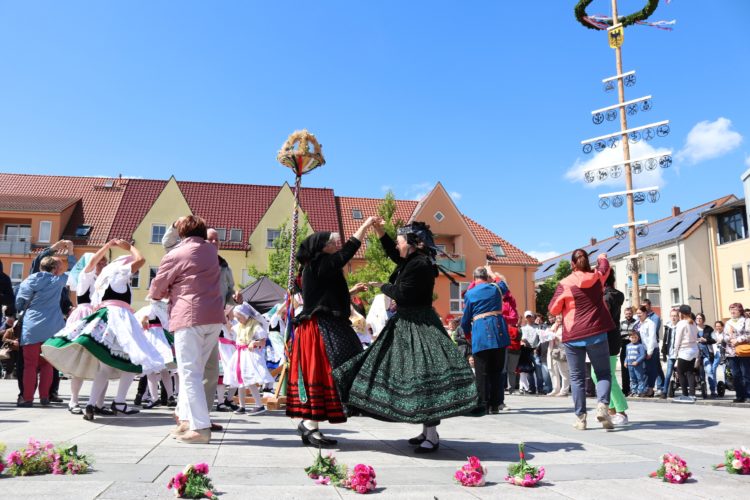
(635, 291)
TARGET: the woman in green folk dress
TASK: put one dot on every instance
(413, 372)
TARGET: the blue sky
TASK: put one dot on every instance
(493, 103)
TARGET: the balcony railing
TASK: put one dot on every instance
(13, 245)
(457, 265)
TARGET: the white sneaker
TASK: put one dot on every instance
(620, 419)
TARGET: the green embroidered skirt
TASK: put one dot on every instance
(413, 372)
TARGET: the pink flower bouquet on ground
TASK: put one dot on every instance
(736, 461)
(673, 469)
(193, 482)
(2, 463)
(38, 458)
(325, 470)
(471, 474)
(523, 473)
(361, 479)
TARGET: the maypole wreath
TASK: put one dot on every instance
(302, 153)
(600, 23)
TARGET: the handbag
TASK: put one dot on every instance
(742, 350)
(559, 354)
(5, 351)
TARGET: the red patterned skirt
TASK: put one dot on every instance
(311, 392)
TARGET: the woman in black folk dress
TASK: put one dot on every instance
(323, 337)
(413, 372)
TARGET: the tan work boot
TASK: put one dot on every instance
(603, 416)
(181, 429)
(199, 436)
(580, 422)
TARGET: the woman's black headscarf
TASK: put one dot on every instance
(312, 246)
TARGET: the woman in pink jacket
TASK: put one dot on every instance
(586, 321)
(189, 276)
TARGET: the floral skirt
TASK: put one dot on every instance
(413, 372)
(320, 344)
(111, 335)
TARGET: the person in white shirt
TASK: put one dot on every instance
(647, 331)
(686, 349)
(529, 342)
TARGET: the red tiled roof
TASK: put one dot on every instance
(98, 203)
(513, 255)
(228, 206)
(21, 203)
(369, 207)
(138, 199)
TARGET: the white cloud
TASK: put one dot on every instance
(455, 195)
(609, 156)
(542, 255)
(709, 140)
(385, 188)
(419, 190)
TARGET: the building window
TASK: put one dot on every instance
(135, 280)
(222, 232)
(18, 232)
(45, 231)
(675, 296)
(440, 249)
(672, 260)
(152, 274)
(235, 235)
(655, 298)
(16, 272)
(498, 249)
(157, 233)
(357, 214)
(271, 236)
(82, 231)
(739, 278)
(732, 226)
(439, 216)
(457, 301)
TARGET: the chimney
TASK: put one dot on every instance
(676, 211)
(593, 241)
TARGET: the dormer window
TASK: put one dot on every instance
(357, 214)
(83, 231)
(498, 249)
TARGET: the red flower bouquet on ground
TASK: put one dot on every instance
(736, 461)
(193, 482)
(523, 473)
(471, 474)
(673, 469)
(2, 463)
(361, 479)
(38, 458)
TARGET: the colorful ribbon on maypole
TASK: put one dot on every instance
(302, 153)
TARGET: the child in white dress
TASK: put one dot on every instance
(247, 368)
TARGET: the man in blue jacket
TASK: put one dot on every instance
(483, 318)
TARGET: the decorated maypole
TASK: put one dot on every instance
(614, 26)
(302, 153)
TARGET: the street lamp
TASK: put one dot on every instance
(699, 297)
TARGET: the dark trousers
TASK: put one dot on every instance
(55, 387)
(654, 371)
(623, 367)
(685, 369)
(741, 376)
(488, 365)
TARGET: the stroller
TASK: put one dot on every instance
(722, 386)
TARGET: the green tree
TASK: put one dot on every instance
(278, 259)
(547, 289)
(379, 267)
